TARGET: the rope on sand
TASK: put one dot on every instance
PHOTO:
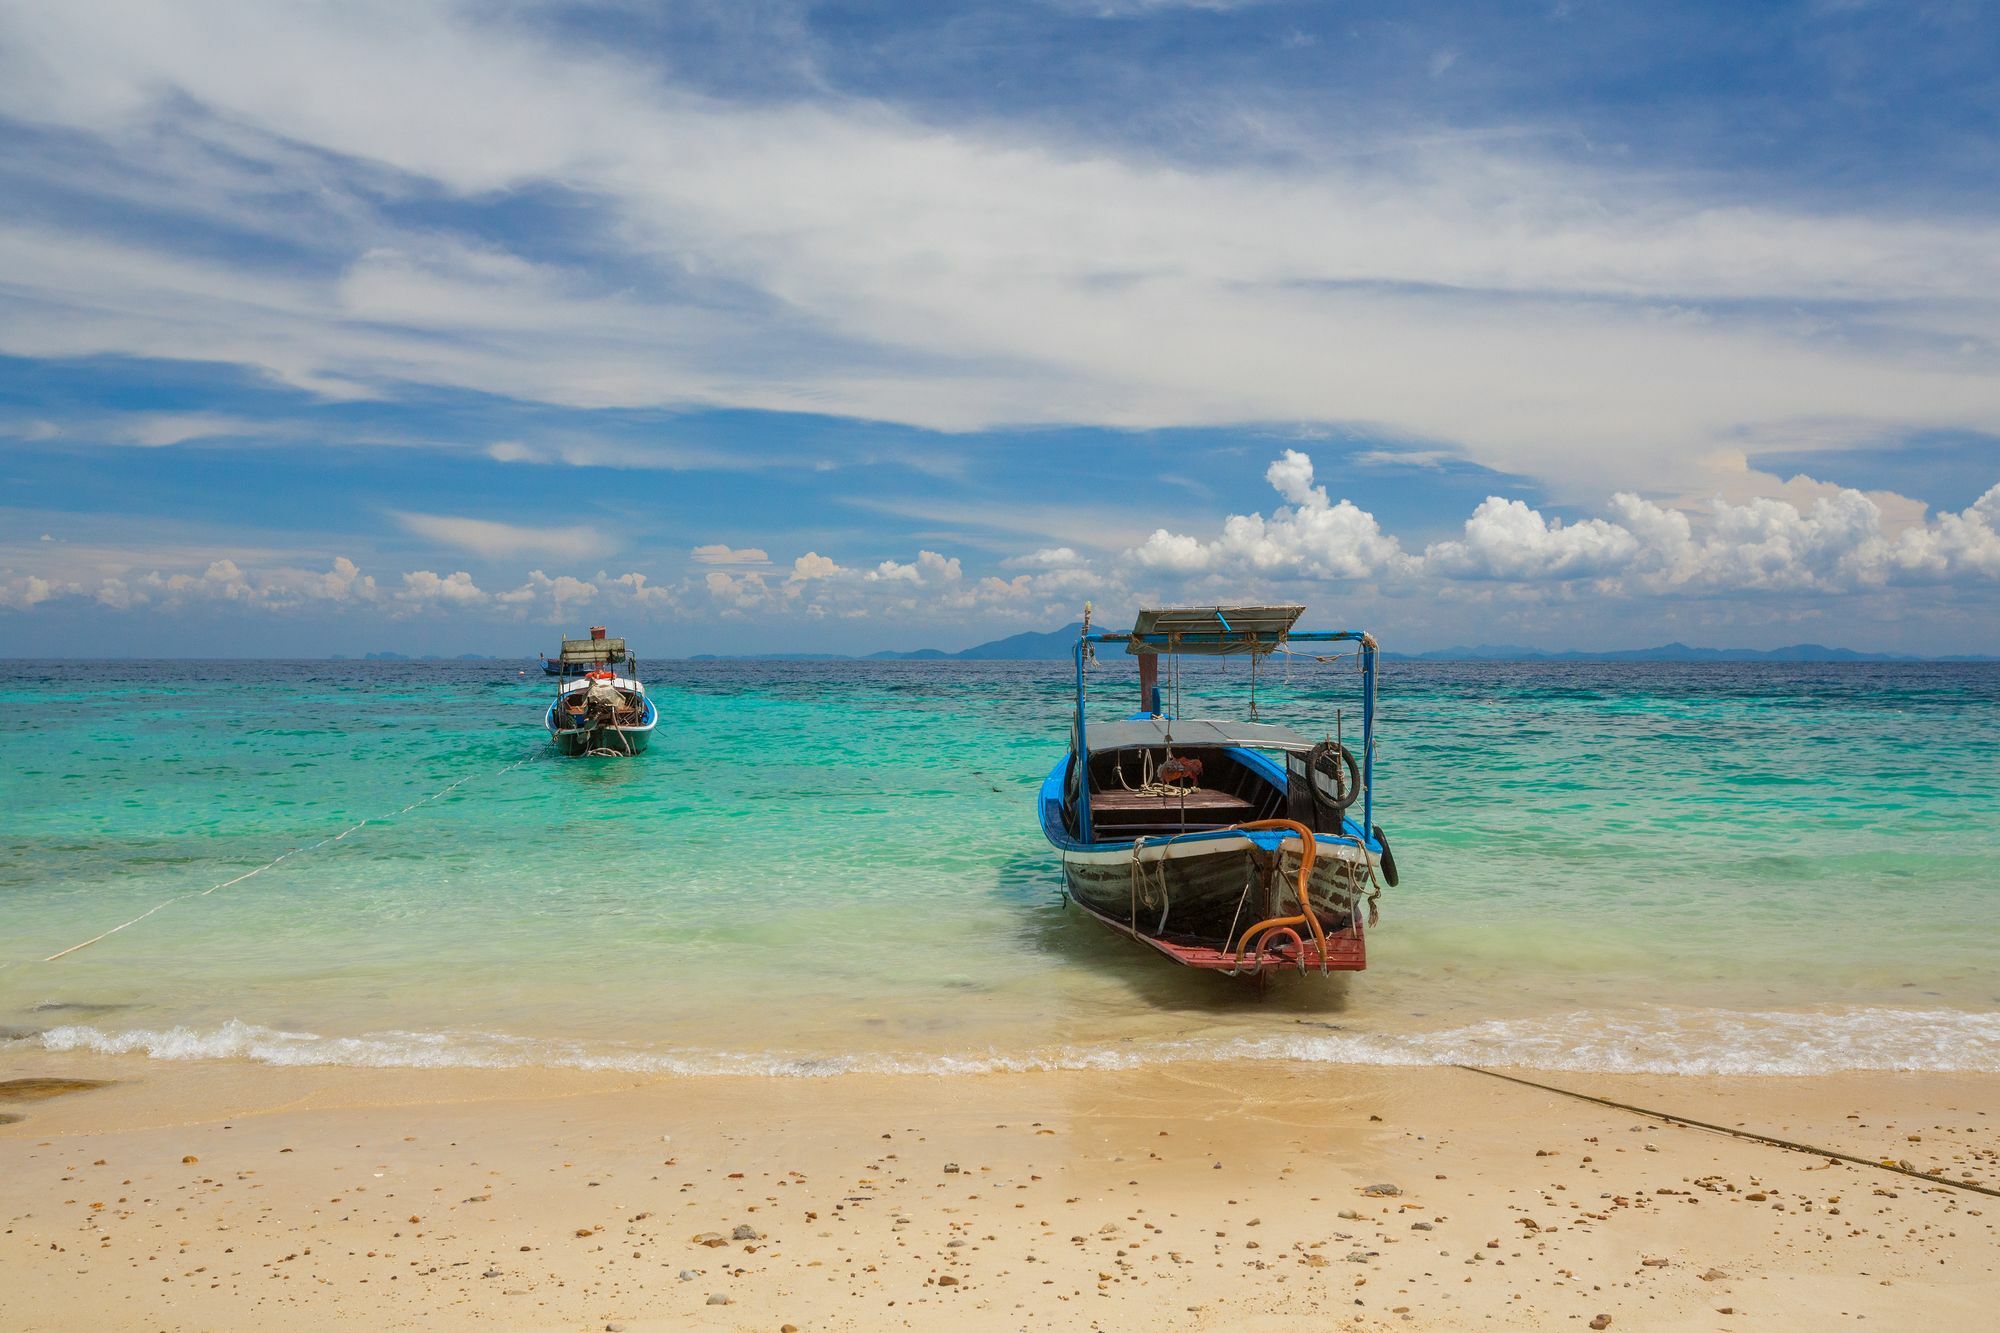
(295, 851)
(1877, 1164)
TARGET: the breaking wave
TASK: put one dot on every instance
(1661, 1041)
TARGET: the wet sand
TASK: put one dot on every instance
(221, 1195)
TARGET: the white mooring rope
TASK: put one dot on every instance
(249, 874)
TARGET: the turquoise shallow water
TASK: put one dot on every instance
(831, 866)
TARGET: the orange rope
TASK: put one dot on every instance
(1310, 919)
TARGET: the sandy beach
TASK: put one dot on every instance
(216, 1195)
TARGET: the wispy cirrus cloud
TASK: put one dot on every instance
(1546, 318)
(497, 540)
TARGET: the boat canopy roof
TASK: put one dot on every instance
(593, 650)
(1212, 631)
(1146, 732)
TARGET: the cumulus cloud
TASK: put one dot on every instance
(1310, 536)
(18, 592)
(1813, 538)
(812, 565)
(1783, 555)
(424, 587)
(1505, 539)
(1837, 542)
(929, 569)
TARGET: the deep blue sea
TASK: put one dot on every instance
(833, 866)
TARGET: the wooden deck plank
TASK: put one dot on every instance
(1204, 799)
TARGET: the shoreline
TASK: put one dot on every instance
(1209, 1195)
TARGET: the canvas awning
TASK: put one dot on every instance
(1212, 631)
(1146, 732)
(601, 651)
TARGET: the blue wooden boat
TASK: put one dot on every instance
(1228, 846)
(597, 710)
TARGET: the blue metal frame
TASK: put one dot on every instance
(1055, 785)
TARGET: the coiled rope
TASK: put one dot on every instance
(276, 860)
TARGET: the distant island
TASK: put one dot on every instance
(1056, 645)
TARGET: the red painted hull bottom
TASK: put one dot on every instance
(1346, 950)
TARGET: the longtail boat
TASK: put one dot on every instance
(1229, 846)
(597, 710)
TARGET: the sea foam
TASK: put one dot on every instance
(1659, 1041)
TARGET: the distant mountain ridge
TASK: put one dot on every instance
(1056, 645)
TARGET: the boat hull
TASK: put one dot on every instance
(1193, 896)
(605, 740)
(1194, 900)
(602, 740)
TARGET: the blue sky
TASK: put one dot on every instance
(841, 326)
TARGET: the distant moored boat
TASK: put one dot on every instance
(597, 710)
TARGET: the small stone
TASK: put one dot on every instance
(951, 1168)
(712, 1239)
(1382, 1191)
(1714, 1275)
(720, 1299)
(1654, 1263)
(1350, 1215)
(745, 1233)
(947, 1281)
(614, 1328)
(689, 1275)
(491, 1272)
(1602, 1321)
(189, 1160)
(1420, 1226)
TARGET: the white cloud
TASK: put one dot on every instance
(1309, 537)
(930, 569)
(499, 540)
(718, 553)
(1428, 459)
(1504, 539)
(19, 592)
(1049, 557)
(1593, 327)
(552, 600)
(1767, 560)
(812, 565)
(159, 429)
(424, 587)
(1836, 542)
(1812, 539)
